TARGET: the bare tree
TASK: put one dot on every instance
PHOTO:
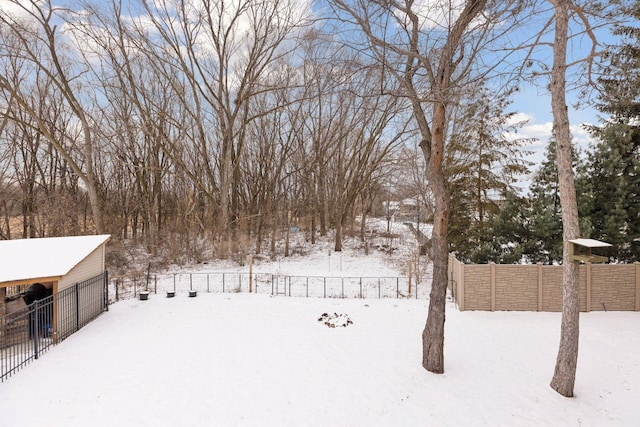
(574, 20)
(565, 371)
(429, 51)
(224, 51)
(36, 39)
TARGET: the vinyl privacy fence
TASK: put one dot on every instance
(491, 287)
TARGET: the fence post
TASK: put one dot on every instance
(461, 290)
(410, 268)
(588, 268)
(106, 291)
(493, 286)
(360, 287)
(637, 286)
(250, 272)
(77, 292)
(397, 287)
(146, 288)
(540, 294)
(325, 287)
(35, 327)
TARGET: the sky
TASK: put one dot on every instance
(535, 108)
(240, 359)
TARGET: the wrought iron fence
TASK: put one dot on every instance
(348, 287)
(273, 284)
(30, 331)
(123, 288)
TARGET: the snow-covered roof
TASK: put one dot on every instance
(590, 243)
(26, 259)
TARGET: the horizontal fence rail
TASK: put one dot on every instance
(272, 284)
(30, 331)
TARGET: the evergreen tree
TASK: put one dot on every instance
(614, 189)
(507, 234)
(544, 213)
(482, 165)
(545, 220)
(614, 164)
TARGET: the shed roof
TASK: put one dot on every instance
(26, 259)
(590, 243)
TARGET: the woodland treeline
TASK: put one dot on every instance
(230, 122)
(217, 127)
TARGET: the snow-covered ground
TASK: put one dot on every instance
(241, 359)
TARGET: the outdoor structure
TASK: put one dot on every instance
(537, 287)
(49, 288)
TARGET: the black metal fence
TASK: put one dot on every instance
(123, 288)
(273, 284)
(28, 332)
(348, 287)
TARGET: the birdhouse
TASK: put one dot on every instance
(580, 250)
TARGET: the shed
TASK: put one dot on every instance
(58, 263)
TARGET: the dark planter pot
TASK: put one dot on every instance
(193, 293)
(144, 295)
(171, 294)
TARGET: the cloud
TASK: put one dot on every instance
(17, 8)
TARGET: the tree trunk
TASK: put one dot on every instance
(433, 334)
(338, 244)
(565, 371)
(313, 227)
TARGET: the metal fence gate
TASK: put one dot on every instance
(27, 333)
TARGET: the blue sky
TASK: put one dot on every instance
(534, 105)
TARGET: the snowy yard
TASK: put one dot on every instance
(255, 360)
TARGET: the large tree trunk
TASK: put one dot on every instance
(433, 334)
(565, 371)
